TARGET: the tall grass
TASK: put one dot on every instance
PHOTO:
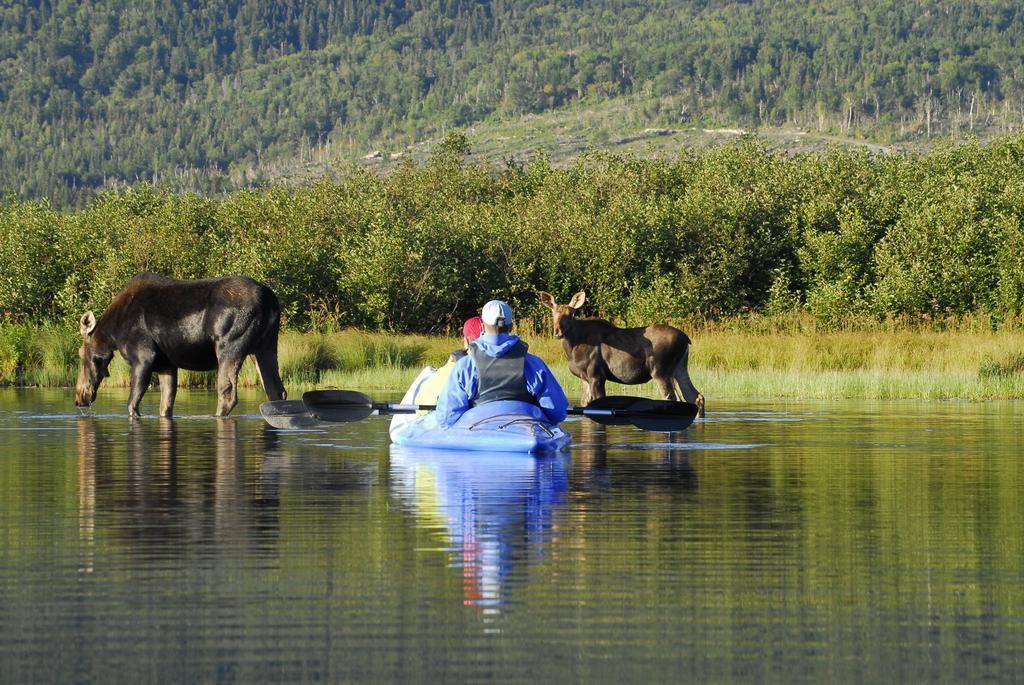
(46, 355)
(37, 354)
(879, 364)
(754, 359)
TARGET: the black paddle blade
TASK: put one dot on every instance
(338, 405)
(651, 415)
(288, 414)
(662, 415)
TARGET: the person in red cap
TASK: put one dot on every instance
(472, 329)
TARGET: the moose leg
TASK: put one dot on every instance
(595, 389)
(668, 391)
(266, 364)
(168, 390)
(141, 374)
(687, 389)
(227, 385)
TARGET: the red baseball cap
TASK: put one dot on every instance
(473, 328)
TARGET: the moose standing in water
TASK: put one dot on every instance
(599, 351)
(160, 325)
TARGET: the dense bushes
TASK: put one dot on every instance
(714, 233)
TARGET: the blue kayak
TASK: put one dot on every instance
(504, 426)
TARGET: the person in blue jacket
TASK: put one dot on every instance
(498, 367)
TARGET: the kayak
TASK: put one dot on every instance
(503, 426)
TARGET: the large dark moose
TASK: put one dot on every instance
(160, 325)
(599, 351)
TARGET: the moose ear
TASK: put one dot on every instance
(578, 299)
(87, 323)
(547, 299)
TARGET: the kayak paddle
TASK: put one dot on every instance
(652, 415)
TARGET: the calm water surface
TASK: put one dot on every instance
(826, 541)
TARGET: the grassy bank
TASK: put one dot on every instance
(725, 363)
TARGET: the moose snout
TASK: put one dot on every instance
(84, 397)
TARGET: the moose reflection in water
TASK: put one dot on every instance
(652, 467)
(499, 511)
(169, 487)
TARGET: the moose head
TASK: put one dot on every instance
(562, 314)
(95, 354)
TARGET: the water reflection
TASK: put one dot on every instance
(828, 542)
(86, 490)
(166, 488)
(652, 462)
(497, 513)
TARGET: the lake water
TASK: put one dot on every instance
(814, 542)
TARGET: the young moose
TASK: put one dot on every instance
(160, 325)
(598, 351)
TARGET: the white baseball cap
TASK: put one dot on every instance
(495, 310)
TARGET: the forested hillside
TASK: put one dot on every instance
(206, 94)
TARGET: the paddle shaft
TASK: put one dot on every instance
(390, 408)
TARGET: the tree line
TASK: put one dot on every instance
(208, 95)
(841, 235)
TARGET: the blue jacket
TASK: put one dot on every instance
(463, 382)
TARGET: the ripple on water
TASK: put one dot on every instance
(682, 445)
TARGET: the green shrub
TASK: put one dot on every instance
(710, 234)
(10, 353)
(30, 268)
